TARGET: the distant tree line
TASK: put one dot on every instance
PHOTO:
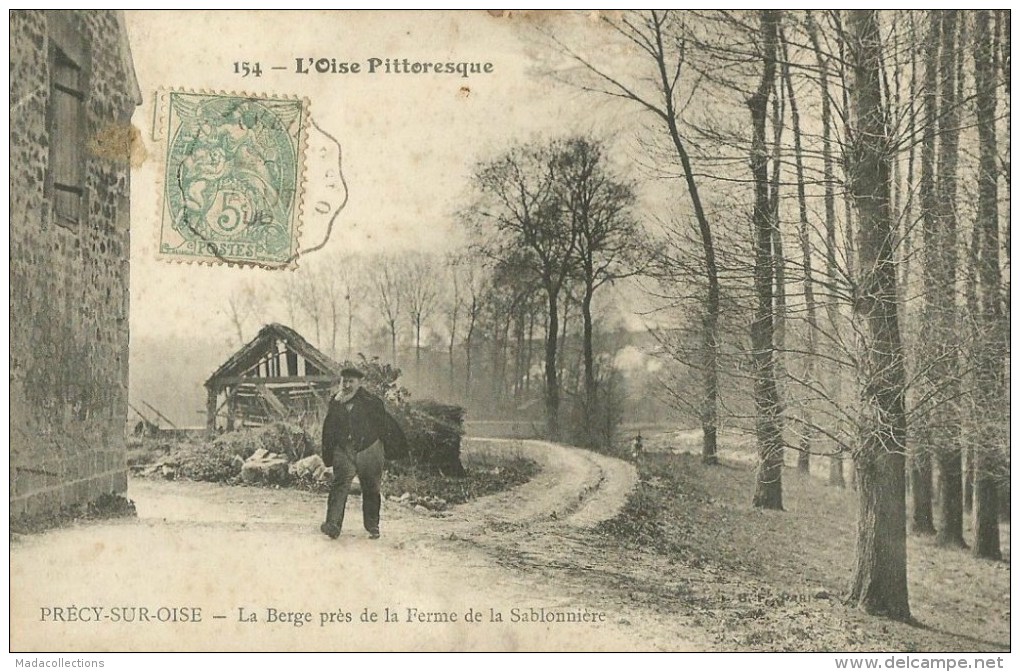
(467, 329)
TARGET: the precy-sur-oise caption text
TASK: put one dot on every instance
(188, 614)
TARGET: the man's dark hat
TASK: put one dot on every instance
(351, 372)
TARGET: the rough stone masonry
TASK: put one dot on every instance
(73, 90)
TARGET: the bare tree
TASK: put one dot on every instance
(290, 295)
(476, 286)
(832, 271)
(518, 213)
(387, 282)
(609, 242)
(804, 237)
(921, 469)
(768, 492)
(452, 304)
(243, 305)
(992, 331)
(656, 36)
(879, 583)
(938, 411)
(311, 300)
(421, 293)
(353, 284)
(336, 276)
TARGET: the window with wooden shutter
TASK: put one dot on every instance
(67, 117)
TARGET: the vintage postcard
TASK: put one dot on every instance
(337, 331)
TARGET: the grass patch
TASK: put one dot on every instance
(689, 543)
(486, 473)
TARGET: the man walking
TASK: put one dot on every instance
(356, 429)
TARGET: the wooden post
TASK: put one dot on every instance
(210, 411)
(231, 408)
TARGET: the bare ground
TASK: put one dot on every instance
(724, 577)
(224, 549)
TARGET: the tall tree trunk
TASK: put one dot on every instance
(531, 340)
(991, 359)
(710, 319)
(974, 335)
(417, 350)
(768, 491)
(334, 314)
(495, 389)
(451, 378)
(393, 342)
(590, 403)
(908, 208)
(350, 326)
(879, 584)
(920, 473)
(519, 352)
(849, 244)
(502, 356)
(451, 384)
(832, 274)
(564, 319)
(1004, 16)
(552, 386)
(968, 479)
(945, 368)
(921, 455)
(803, 233)
(710, 375)
(467, 361)
(778, 261)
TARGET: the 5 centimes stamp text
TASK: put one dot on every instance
(232, 181)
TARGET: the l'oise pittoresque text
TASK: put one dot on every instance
(315, 65)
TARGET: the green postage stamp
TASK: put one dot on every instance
(232, 178)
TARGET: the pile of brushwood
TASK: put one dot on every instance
(433, 434)
(433, 429)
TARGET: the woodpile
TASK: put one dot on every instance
(433, 434)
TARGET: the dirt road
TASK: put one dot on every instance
(226, 555)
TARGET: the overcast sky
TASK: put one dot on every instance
(408, 140)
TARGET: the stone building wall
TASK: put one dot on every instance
(69, 282)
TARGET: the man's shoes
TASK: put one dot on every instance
(331, 531)
(373, 534)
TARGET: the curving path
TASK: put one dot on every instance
(227, 549)
(575, 486)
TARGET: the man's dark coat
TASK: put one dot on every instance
(357, 429)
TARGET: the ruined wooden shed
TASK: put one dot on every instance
(277, 375)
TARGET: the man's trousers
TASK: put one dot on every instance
(368, 466)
